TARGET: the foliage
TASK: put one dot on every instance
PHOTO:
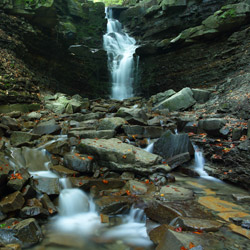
(228, 13)
(110, 2)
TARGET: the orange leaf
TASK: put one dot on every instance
(50, 210)
(128, 192)
(80, 183)
(147, 181)
(124, 156)
(183, 248)
(105, 181)
(90, 158)
(191, 245)
(204, 140)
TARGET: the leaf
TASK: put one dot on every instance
(191, 245)
(124, 156)
(50, 210)
(90, 157)
(147, 181)
(183, 248)
(105, 181)
(2, 225)
(178, 229)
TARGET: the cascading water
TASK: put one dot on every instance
(120, 48)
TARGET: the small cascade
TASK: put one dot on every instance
(150, 148)
(199, 165)
(120, 48)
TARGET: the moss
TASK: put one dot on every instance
(229, 14)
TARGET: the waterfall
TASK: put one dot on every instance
(120, 48)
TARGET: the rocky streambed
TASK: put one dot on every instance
(102, 147)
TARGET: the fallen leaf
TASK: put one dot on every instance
(191, 245)
(90, 158)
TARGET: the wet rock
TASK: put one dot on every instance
(170, 145)
(156, 99)
(236, 134)
(90, 116)
(241, 197)
(176, 240)
(178, 160)
(28, 232)
(18, 180)
(193, 224)
(113, 205)
(46, 127)
(161, 213)
(179, 101)
(12, 202)
(158, 179)
(112, 123)
(91, 134)
(172, 192)
(78, 162)
(34, 116)
(19, 138)
(157, 121)
(5, 169)
(10, 122)
(143, 132)
(133, 116)
(212, 126)
(113, 150)
(28, 192)
(2, 216)
(49, 186)
(157, 234)
(136, 187)
(248, 129)
(63, 172)
(48, 204)
(127, 175)
(28, 212)
(59, 147)
(201, 95)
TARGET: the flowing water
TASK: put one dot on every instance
(120, 48)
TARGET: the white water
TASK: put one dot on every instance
(120, 48)
(150, 148)
(199, 165)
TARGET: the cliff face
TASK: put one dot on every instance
(36, 49)
(188, 43)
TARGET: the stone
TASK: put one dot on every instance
(49, 186)
(201, 95)
(46, 127)
(236, 134)
(194, 224)
(59, 147)
(48, 204)
(31, 212)
(34, 116)
(212, 126)
(63, 172)
(10, 122)
(248, 129)
(19, 138)
(12, 202)
(114, 150)
(157, 234)
(78, 162)
(177, 102)
(161, 213)
(172, 192)
(136, 187)
(173, 5)
(113, 205)
(112, 123)
(91, 134)
(170, 145)
(18, 180)
(241, 197)
(133, 116)
(24, 108)
(178, 160)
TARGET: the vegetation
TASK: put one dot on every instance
(110, 2)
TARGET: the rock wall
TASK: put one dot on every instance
(188, 43)
(35, 42)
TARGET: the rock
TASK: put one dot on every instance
(157, 234)
(63, 172)
(48, 186)
(78, 162)
(133, 116)
(46, 127)
(212, 126)
(172, 192)
(34, 116)
(28, 192)
(113, 150)
(194, 224)
(112, 123)
(5, 169)
(136, 187)
(178, 160)
(28, 232)
(241, 197)
(170, 145)
(173, 5)
(12, 202)
(248, 129)
(91, 134)
(48, 204)
(28, 212)
(179, 101)
(236, 134)
(18, 180)
(19, 138)
(59, 147)
(161, 213)
(201, 95)
(24, 108)
(127, 175)
(10, 122)
(113, 205)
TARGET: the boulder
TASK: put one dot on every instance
(173, 5)
(133, 115)
(34, 211)
(172, 192)
(19, 138)
(154, 99)
(10, 122)
(62, 171)
(17, 180)
(179, 101)
(78, 162)
(12, 202)
(136, 187)
(34, 116)
(170, 145)
(49, 186)
(59, 147)
(46, 127)
(91, 134)
(201, 95)
(112, 123)
(212, 126)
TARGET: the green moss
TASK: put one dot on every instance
(229, 14)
